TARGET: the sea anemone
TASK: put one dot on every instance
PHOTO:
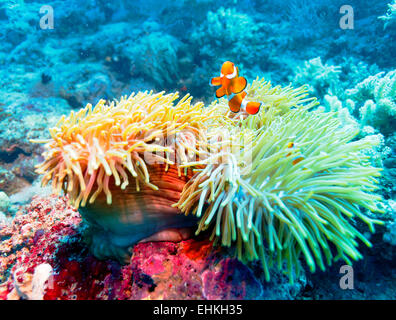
(120, 161)
(276, 187)
(275, 208)
(275, 101)
(111, 140)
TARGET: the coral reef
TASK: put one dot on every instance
(105, 50)
(390, 16)
(378, 96)
(371, 101)
(157, 58)
(47, 235)
(323, 78)
(4, 201)
(236, 29)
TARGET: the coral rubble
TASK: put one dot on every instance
(48, 232)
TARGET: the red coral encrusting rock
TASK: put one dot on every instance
(50, 232)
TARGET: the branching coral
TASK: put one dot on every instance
(109, 140)
(322, 78)
(344, 114)
(232, 27)
(390, 16)
(156, 56)
(224, 35)
(376, 99)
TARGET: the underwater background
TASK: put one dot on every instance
(57, 56)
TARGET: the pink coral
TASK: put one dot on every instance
(49, 231)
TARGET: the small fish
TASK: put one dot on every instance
(297, 159)
(233, 86)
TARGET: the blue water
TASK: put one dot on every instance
(93, 49)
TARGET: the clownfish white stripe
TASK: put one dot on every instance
(233, 86)
(232, 75)
(244, 103)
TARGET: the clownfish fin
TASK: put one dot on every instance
(215, 81)
(238, 85)
(237, 102)
(235, 105)
(221, 92)
(253, 107)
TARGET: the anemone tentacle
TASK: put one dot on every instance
(275, 210)
(109, 140)
(279, 187)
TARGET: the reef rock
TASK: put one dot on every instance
(43, 255)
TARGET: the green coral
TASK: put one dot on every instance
(371, 101)
(325, 78)
(236, 35)
(321, 78)
(156, 56)
(344, 113)
(376, 99)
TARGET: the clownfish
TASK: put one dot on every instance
(233, 86)
(296, 160)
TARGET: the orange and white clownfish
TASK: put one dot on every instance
(297, 159)
(233, 86)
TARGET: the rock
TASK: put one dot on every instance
(48, 232)
(390, 236)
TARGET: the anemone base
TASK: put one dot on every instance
(132, 216)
